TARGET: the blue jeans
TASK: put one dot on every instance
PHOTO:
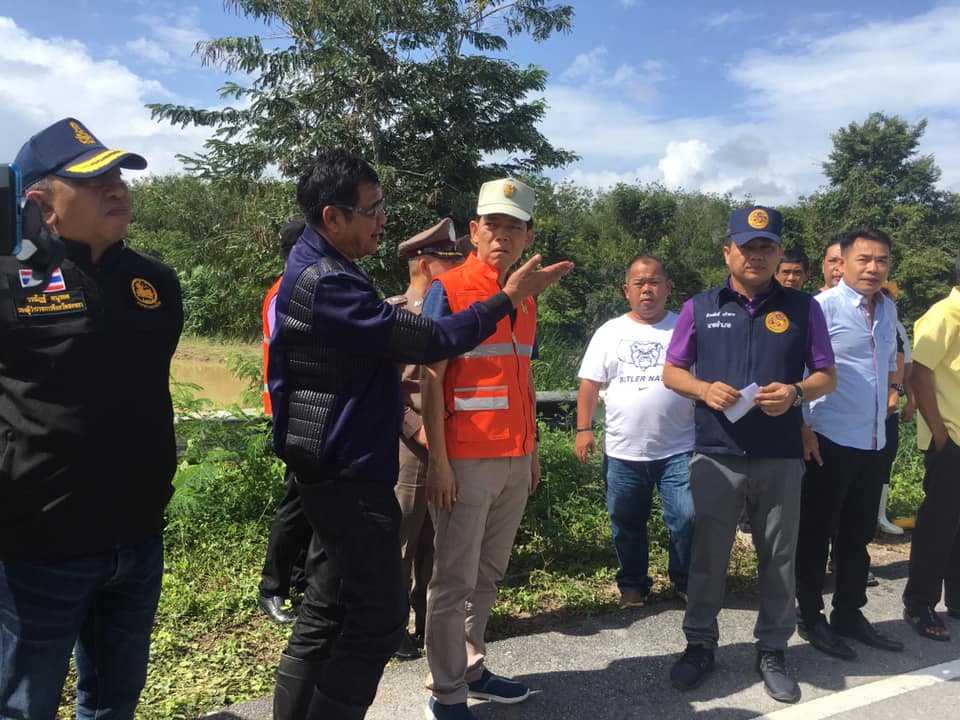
(629, 494)
(100, 606)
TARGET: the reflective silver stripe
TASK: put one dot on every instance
(525, 350)
(491, 350)
(498, 402)
(489, 388)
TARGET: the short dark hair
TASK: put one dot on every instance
(795, 256)
(647, 258)
(332, 178)
(834, 239)
(848, 238)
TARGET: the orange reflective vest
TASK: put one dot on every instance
(267, 322)
(486, 392)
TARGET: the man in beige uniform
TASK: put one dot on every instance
(428, 254)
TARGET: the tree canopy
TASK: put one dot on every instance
(410, 85)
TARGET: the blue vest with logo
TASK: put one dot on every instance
(738, 349)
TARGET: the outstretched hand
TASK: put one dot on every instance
(531, 279)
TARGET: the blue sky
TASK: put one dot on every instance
(738, 97)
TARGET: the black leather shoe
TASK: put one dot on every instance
(407, 649)
(861, 629)
(778, 684)
(272, 607)
(822, 637)
(692, 668)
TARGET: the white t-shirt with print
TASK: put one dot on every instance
(644, 420)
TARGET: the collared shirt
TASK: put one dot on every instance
(774, 339)
(683, 347)
(854, 414)
(937, 337)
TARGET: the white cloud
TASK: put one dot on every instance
(46, 79)
(639, 83)
(149, 50)
(736, 16)
(772, 144)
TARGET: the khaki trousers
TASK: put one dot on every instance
(471, 553)
(416, 528)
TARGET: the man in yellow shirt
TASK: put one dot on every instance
(935, 549)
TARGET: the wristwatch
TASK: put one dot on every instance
(899, 388)
(798, 400)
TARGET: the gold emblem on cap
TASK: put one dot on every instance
(758, 219)
(145, 293)
(776, 321)
(509, 189)
(80, 134)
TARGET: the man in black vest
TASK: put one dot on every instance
(740, 351)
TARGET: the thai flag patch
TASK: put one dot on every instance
(29, 279)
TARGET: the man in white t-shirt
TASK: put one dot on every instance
(648, 434)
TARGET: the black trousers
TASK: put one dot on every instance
(287, 548)
(893, 444)
(935, 546)
(355, 607)
(840, 499)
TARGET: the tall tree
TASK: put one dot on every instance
(875, 166)
(878, 178)
(405, 83)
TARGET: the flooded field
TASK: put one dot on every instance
(203, 362)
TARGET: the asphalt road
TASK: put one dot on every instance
(615, 667)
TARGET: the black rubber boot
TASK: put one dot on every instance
(325, 708)
(296, 682)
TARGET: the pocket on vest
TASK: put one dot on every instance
(482, 413)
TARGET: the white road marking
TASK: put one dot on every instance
(862, 695)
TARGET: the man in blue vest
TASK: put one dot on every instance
(740, 352)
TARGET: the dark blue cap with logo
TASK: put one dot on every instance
(68, 149)
(757, 221)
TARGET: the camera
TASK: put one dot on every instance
(23, 232)
(11, 218)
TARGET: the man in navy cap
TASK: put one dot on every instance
(87, 450)
(740, 352)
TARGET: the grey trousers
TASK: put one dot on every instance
(770, 489)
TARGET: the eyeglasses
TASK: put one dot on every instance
(370, 213)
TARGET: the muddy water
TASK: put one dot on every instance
(219, 384)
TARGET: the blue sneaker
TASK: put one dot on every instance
(498, 689)
(436, 711)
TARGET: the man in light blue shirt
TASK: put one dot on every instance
(844, 436)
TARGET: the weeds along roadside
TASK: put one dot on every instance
(211, 647)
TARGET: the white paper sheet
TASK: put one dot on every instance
(744, 405)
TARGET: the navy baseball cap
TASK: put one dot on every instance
(67, 149)
(758, 221)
